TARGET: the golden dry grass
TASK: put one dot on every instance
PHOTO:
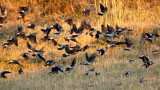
(139, 15)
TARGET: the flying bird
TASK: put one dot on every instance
(90, 59)
(2, 74)
(20, 71)
(49, 63)
(72, 65)
(103, 10)
(15, 62)
(31, 26)
(145, 59)
(55, 69)
(32, 37)
(151, 37)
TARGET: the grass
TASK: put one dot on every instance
(139, 16)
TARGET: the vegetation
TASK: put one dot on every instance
(138, 15)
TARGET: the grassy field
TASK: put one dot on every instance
(139, 15)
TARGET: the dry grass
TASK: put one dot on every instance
(141, 16)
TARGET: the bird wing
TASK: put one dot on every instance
(73, 62)
(41, 57)
(92, 57)
(101, 7)
(87, 57)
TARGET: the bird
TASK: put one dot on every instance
(85, 47)
(129, 44)
(132, 60)
(97, 73)
(20, 71)
(119, 29)
(103, 10)
(69, 21)
(20, 33)
(145, 59)
(151, 37)
(61, 47)
(2, 74)
(142, 80)
(32, 37)
(49, 63)
(40, 55)
(156, 51)
(58, 27)
(72, 38)
(4, 14)
(90, 59)
(15, 62)
(87, 73)
(68, 51)
(32, 49)
(113, 43)
(24, 55)
(31, 26)
(68, 69)
(74, 29)
(102, 50)
(55, 69)
(11, 41)
(128, 73)
(53, 40)
(47, 30)
(111, 32)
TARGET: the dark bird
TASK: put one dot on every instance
(65, 55)
(113, 43)
(24, 55)
(55, 69)
(97, 73)
(74, 29)
(128, 73)
(92, 69)
(142, 80)
(103, 10)
(90, 59)
(47, 30)
(15, 62)
(129, 44)
(85, 48)
(2, 74)
(53, 40)
(119, 29)
(58, 27)
(151, 37)
(24, 9)
(4, 14)
(156, 51)
(11, 41)
(40, 55)
(77, 48)
(145, 59)
(72, 38)
(96, 34)
(68, 51)
(20, 33)
(68, 69)
(61, 47)
(69, 21)
(111, 32)
(102, 50)
(20, 71)
(32, 37)
(1, 25)
(31, 26)
(132, 60)
(49, 63)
